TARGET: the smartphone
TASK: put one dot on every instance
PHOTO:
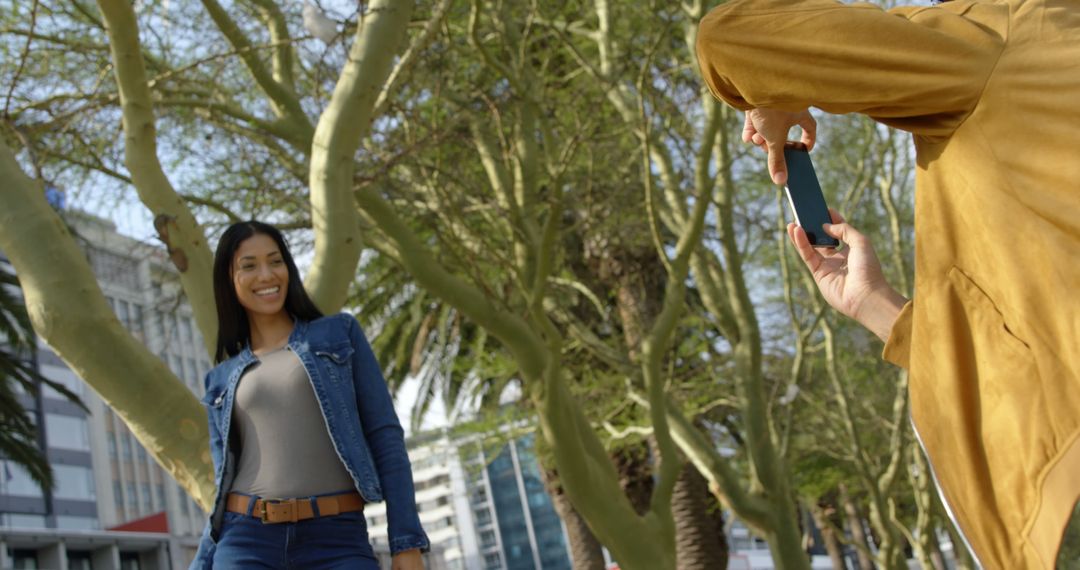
(805, 197)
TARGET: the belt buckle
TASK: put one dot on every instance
(287, 508)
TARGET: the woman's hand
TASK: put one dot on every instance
(768, 129)
(851, 280)
(408, 560)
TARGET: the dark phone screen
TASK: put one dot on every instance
(805, 197)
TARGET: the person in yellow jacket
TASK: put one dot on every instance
(991, 92)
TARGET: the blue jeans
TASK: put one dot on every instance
(321, 543)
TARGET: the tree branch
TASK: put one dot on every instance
(282, 97)
(342, 125)
(177, 227)
(68, 310)
(279, 37)
(408, 60)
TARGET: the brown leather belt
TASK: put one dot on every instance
(292, 510)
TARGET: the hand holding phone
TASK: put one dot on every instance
(851, 279)
(805, 197)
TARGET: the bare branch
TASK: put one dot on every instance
(183, 236)
(282, 97)
(342, 125)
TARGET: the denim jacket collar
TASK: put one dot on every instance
(297, 341)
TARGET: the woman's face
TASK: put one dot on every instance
(260, 276)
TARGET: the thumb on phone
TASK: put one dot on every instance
(845, 233)
(777, 165)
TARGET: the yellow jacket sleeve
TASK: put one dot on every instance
(920, 69)
(898, 347)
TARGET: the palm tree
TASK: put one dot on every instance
(18, 432)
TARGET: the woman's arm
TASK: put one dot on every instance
(386, 440)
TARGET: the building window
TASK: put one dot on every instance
(160, 492)
(76, 523)
(433, 482)
(67, 432)
(79, 560)
(17, 482)
(113, 268)
(170, 328)
(159, 326)
(132, 497)
(23, 558)
(191, 372)
(487, 538)
(74, 482)
(122, 313)
(63, 376)
(176, 365)
(137, 322)
(146, 499)
(185, 330)
(129, 561)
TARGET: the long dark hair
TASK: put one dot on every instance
(233, 329)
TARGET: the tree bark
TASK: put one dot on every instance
(937, 559)
(716, 514)
(857, 530)
(635, 476)
(699, 542)
(828, 535)
(586, 552)
(961, 556)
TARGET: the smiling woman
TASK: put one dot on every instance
(257, 289)
(278, 429)
(260, 276)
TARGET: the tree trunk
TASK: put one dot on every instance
(586, 553)
(716, 514)
(69, 312)
(937, 559)
(857, 530)
(828, 535)
(961, 557)
(342, 125)
(923, 492)
(635, 476)
(699, 542)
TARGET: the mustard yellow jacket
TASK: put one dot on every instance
(991, 92)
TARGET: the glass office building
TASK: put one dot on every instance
(483, 505)
(524, 532)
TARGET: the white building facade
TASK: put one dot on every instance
(105, 478)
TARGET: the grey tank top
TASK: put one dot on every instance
(285, 448)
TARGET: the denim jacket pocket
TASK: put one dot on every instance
(336, 360)
(214, 399)
(214, 402)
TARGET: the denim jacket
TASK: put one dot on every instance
(359, 414)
